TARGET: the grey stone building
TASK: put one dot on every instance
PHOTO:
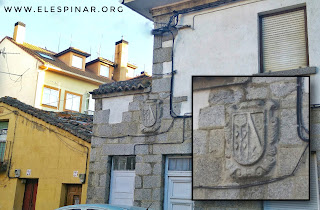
(142, 140)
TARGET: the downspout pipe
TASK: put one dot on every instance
(160, 31)
(300, 124)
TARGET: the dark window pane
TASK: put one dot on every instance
(124, 163)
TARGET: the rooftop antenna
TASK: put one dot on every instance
(99, 53)
(90, 54)
(71, 40)
(4, 53)
(59, 42)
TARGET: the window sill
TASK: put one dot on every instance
(294, 72)
(49, 106)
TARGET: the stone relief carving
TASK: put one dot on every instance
(150, 116)
(251, 134)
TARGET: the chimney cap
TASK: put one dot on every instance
(20, 24)
(122, 41)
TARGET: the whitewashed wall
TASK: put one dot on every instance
(24, 89)
(117, 106)
(225, 41)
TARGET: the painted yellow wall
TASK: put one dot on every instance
(66, 83)
(67, 58)
(95, 68)
(51, 157)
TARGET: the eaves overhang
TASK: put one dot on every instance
(143, 7)
(153, 8)
(49, 67)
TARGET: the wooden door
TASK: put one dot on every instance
(30, 194)
(74, 194)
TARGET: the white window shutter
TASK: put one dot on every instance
(284, 41)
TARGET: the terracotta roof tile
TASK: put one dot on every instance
(77, 124)
(55, 62)
(140, 82)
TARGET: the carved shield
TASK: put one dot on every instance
(248, 141)
(251, 136)
(149, 114)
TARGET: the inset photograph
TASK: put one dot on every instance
(251, 138)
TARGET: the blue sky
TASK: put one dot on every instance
(84, 30)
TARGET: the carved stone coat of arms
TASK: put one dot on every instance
(251, 134)
(150, 116)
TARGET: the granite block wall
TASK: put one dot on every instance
(245, 142)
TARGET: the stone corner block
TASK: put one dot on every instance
(161, 85)
(101, 116)
(161, 55)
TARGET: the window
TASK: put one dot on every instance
(179, 164)
(89, 104)
(3, 138)
(77, 61)
(51, 96)
(72, 101)
(45, 56)
(104, 71)
(124, 163)
(283, 40)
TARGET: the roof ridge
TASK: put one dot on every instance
(42, 48)
(58, 63)
(140, 82)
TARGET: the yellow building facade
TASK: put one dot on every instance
(57, 81)
(42, 164)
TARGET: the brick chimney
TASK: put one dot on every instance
(19, 32)
(121, 60)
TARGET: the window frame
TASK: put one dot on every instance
(101, 65)
(4, 142)
(65, 100)
(59, 95)
(261, 69)
(73, 55)
(124, 156)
